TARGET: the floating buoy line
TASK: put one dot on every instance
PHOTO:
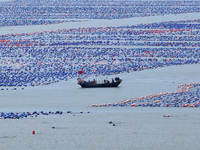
(34, 114)
(187, 96)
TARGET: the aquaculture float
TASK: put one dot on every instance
(187, 96)
(94, 84)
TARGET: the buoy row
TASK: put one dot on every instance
(27, 114)
(187, 96)
(106, 36)
(18, 14)
(34, 74)
(11, 89)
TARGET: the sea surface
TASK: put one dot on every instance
(102, 127)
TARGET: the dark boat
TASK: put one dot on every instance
(94, 84)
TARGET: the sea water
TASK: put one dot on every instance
(103, 127)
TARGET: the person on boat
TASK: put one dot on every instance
(112, 80)
(105, 81)
(94, 81)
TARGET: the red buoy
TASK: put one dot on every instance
(33, 132)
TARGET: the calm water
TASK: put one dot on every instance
(135, 128)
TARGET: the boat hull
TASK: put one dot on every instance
(85, 84)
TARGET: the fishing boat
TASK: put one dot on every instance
(94, 84)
